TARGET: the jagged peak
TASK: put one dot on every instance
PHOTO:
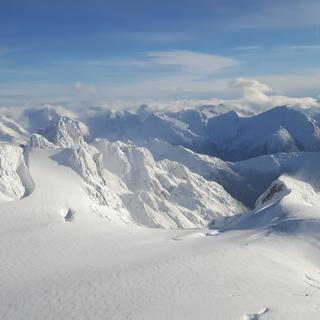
(65, 132)
(39, 141)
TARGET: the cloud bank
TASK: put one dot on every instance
(259, 96)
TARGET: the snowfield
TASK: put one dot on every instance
(107, 215)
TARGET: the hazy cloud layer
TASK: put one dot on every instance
(85, 88)
(189, 61)
(257, 96)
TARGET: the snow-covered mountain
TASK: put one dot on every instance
(229, 136)
(142, 215)
(164, 193)
(281, 129)
(288, 205)
(10, 131)
(126, 181)
(158, 146)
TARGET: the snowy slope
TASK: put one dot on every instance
(64, 132)
(128, 126)
(245, 180)
(281, 129)
(211, 168)
(54, 267)
(258, 173)
(164, 193)
(12, 132)
(128, 181)
(228, 135)
(289, 205)
(103, 229)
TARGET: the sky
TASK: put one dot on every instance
(76, 52)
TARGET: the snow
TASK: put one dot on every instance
(258, 173)
(10, 131)
(281, 129)
(64, 132)
(86, 269)
(39, 141)
(164, 193)
(14, 178)
(92, 228)
(289, 205)
(228, 136)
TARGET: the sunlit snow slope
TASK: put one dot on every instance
(107, 215)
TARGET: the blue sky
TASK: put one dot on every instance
(94, 51)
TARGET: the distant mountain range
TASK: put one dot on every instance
(168, 170)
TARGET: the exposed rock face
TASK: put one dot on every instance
(274, 193)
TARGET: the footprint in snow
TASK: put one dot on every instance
(255, 316)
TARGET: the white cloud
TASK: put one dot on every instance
(254, 97)
(257, 96)
(85, 88)
(253, 90)
(190, 61)
(180, 90)
(182, 61)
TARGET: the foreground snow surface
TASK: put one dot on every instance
(62, 263)
(94, 270)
